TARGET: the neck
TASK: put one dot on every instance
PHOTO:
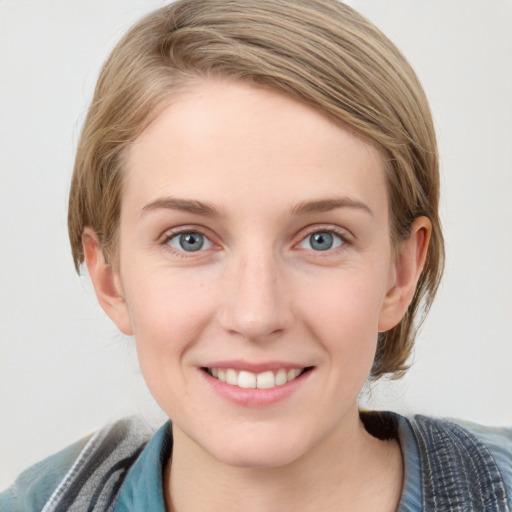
(351, 470)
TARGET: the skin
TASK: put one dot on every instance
(271, 172)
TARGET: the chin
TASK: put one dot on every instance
(257, 451)
(259, 458)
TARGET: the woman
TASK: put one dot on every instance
(255, 197)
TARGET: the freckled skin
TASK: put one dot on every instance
(257, 290)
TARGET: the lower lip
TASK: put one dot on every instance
(254, 397)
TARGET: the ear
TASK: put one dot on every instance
(106, 282)
(405, 273)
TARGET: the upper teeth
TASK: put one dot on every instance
(264, 380)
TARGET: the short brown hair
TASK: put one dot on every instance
(320, 52)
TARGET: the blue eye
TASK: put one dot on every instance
(321, 241)
(189, 242)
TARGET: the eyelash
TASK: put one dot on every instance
(169, 235)
(341, 234)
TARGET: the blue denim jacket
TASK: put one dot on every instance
(449, 466)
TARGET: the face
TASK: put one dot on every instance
(254, 249)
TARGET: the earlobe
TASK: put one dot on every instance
(106, 282)
(407, 269)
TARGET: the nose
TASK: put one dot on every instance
(256, 302)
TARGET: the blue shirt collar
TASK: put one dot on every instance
(142, 488)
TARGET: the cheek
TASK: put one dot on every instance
(343, 318)
(168, 311)
(168, 314)
(345, 315)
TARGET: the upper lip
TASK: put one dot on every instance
(255, 367)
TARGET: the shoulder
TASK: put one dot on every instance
(498, 440)
(34, 486)
(495, 442)
(474, 460)
(63, 477)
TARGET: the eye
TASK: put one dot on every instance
(189, 242)
(321, 241)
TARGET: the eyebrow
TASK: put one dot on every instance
(326, 205)
(184, 205)
(207, 209)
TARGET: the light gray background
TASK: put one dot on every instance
(64, 370)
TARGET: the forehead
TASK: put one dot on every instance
(228, 141)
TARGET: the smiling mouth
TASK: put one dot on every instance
(248, 380)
